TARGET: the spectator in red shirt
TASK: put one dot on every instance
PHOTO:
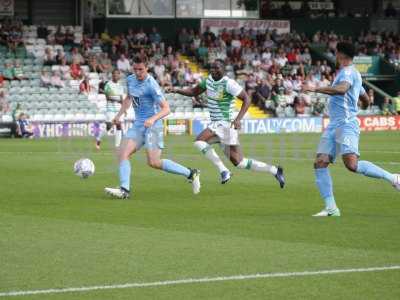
(85, 87)
(76, 71)
(292, 56)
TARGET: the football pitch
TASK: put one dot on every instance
(63, 238)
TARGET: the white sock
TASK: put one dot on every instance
(210, 154)
(118, 137)
(258, 166)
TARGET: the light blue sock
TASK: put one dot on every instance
(174, 168)
(324, 183)
(369, 169)
(125, 174)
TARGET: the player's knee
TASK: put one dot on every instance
(321, 163)
(108, 126)
(154, 163)
(351, 166)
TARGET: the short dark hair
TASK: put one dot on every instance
(138, 59)
(347, 49)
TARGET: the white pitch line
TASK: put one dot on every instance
(194, 280)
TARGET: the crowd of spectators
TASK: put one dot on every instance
(368, 43)
(271, 67)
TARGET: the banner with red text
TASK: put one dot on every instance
(375, 123)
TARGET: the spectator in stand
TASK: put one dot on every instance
(371, 95)
(45, 79)
(123, 64)
(59, 56)
(184, 39)
(305, 58)
(262, 94)
(94, 66)
(388, 109)
(24, 127)
(208, 35)
(85, 87)
(56, 80)
(299, 106)
(288, 97)
(4, 105)
(114, 55)
(18, 71)
(75, 70)
(65, 69)
(196, 41)
(155, 37)
(105, 62)
(69, 38)
(159, 70)
(8, 72)
(251, 85)
(189, 77)
(318, 108)
(236, 43)
(76, 56)
(86, 43)
(105, 37)
(202, 53)
(42, 31)
(281, 59)
(59, 36)
(49, 58)
(167, 79)
(141, 35)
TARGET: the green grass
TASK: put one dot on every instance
(58, 230)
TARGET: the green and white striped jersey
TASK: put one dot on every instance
(220, 97)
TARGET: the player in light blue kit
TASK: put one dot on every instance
(342, 134)
(150, 106)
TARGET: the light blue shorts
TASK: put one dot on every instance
(151, 138)
(340, 140)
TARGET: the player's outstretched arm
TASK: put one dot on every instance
(164, 111)
(245, 106)
(339, 89)
(126, 103)
(190, 92)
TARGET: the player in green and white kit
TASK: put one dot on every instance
(221, 93)
(114, 92)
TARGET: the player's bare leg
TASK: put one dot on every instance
(203, 144)
(234, 153)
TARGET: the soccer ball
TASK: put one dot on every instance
(84, 168)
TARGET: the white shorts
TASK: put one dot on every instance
(226, 134)
(112, 109)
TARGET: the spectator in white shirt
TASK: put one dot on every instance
(123, 64)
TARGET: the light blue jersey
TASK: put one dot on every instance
(146, 96)
(343, 108)
(342, 134)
